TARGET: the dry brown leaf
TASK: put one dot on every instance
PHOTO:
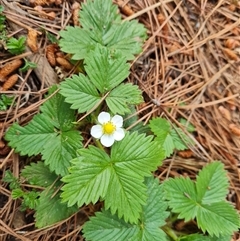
(234, 129)
(64, 63)
(225, 113)
(8, 68)
(125, 9)
(32, 40)
(10, 82)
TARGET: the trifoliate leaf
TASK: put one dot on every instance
(49, 134)
(104, 71)
(117, 179)
(169, 137)
(80, 93)
(38, 174)
(204, 200)
(50, 209)
(107, 227)
(102, 24)
(124, 95)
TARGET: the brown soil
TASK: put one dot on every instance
(189, 68)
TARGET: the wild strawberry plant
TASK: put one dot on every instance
(117, 166)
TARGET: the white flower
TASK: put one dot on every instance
(109, 129)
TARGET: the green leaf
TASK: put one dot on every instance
(126, 194)
(102, 24)
(50, 133)
(63, 149)
(80, 86)
(124, 95)
(50, 209)
(11, 179)
(138, 153)
(169, 137)
(182, 196)
(207, 184)
(188, 125)
(126, 38)
(28, 65)
(5, 101)
(30, 200)
(38, 174)
(200, 237)
(107, 227)
(117, 179)
(219, 218)
(58, 112)
(204, 200)
(17, 193)
(88, 179)
(104, 71)
(16, 46)
(30, 139)
(76, 41)
(99, 16)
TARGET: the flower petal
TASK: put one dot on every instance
(118, 134)
(107, 140)
(117, 120)
(97, 131)
(103, 117)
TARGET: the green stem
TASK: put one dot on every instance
(170, 233)
(98, 144)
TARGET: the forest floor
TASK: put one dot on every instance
(189, 68)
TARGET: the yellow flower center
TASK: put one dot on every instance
(108, 128)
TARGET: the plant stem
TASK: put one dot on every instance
(170, 232)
